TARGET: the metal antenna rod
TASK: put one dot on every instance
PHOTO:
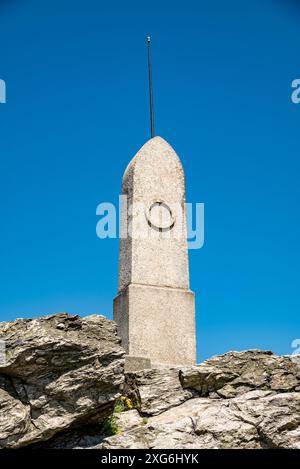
(150, 86)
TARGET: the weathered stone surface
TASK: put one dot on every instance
(248, 400)
(86, 437)
(237, 400)
(154, 308)
(158, 323)
(60, 371)
(91, 436)
(136, 363)
(154, 391)
(275, 417)
(235, 373)
(128, 420)
(154, 175)
(197, 423)
(251, 421)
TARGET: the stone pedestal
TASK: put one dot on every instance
(158, 323)
(133, 363)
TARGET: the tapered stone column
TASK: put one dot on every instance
(154, 308)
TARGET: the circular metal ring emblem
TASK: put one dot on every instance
(160, 217)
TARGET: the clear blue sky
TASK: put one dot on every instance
(77, 111)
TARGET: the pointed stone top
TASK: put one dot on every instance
(156, 143)
(154, 155)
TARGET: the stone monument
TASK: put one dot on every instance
(154, 308)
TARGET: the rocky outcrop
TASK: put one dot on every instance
(254, 420)
(59, 372)
(238, 400)
(62, 376)
(236, 373)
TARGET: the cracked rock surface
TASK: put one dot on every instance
(59, 372)
(245, 399)
(62, 375)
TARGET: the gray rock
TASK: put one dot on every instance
(276, 418)
(91, 436)
(136, 363)
(155, 391)
(62, 375)
(61, 371)
(128, 420)
(197, 423)
(238, 400)
(257, 419)
(235, 373)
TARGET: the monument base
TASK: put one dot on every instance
(136, 363)
(161, 324)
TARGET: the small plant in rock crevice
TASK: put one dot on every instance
(110, 425)
(123, 404)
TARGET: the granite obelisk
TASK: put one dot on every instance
(154, 308)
